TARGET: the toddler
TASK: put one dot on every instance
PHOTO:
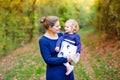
(69, 44)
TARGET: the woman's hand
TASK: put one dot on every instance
(69, 60)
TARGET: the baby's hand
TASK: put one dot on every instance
(78, 54)
(77, 57)
(57, 49)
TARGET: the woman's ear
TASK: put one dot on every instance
(49, 27)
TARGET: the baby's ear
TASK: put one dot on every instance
(74, 30)
(50, 27)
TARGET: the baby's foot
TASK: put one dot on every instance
(69, 70)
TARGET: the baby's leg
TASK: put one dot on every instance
(69, 68)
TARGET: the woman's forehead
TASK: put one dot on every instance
(57, 22)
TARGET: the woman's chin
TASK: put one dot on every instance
(58, 31)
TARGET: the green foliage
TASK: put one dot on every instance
(19, 19)
(108, 19)
(16, 24)
(66, 9)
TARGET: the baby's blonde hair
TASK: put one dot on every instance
(74, 25)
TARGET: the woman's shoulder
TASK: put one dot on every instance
(42, 39)
(45, 39)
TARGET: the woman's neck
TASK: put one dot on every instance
(51, 35)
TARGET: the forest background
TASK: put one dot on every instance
(99, 22)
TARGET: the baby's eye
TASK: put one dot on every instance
(66, 26)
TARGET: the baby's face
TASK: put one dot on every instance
(68, 28)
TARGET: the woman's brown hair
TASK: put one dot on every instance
(48, 21)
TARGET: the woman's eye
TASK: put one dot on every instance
(57, 26)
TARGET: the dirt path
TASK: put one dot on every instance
(5, 62)
(85, 61)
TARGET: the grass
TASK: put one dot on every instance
(80, 73)
(104, 70)
(23, 65)
(86, 30)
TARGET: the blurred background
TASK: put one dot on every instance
(19, 18)
(99, 22)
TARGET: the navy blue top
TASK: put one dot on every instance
(55, 68)
(71, 38)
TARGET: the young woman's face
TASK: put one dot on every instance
(68, 28)
(56, 28)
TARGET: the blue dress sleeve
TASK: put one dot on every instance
(48, 58)
(78, 43)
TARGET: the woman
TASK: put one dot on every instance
(55, 68)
